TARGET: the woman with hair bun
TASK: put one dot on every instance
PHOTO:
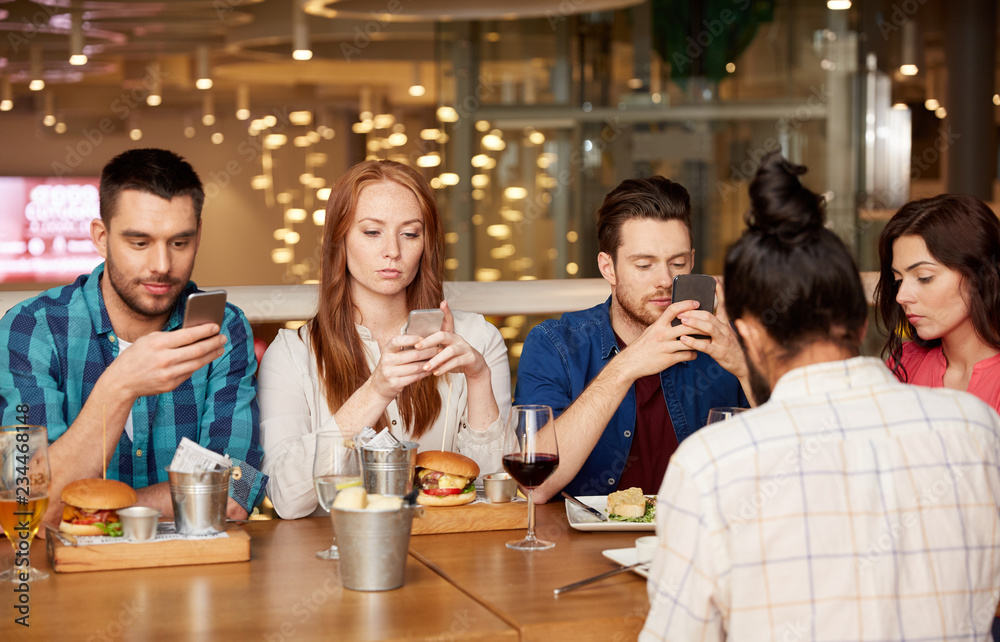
(351, 366)
(939, 284)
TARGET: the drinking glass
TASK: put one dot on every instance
(24, 494)
(336, 466)
(531, 462)
(722, 414)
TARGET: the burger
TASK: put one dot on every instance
(91, 506)
(445, 479)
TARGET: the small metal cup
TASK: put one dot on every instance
(139, 523)
(500, 488)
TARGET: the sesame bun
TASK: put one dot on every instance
(99, 494)
(450, 463)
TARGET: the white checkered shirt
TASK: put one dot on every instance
(848, 507)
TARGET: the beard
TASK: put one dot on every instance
(759, 386)
(131, 292)
(633, 307)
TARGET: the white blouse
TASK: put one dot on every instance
(293, 408)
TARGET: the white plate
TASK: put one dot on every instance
(626, 557)
(581, 520)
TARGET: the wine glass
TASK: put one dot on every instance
(335, 467)
(24, 494)
(722, 414)
(535, 458)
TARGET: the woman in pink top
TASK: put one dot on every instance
(939, 284)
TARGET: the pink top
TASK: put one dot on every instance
(925, 367)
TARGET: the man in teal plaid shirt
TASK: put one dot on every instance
(104, 364)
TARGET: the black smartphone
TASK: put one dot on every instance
(423, 323)
(205, 307)
(694, 287)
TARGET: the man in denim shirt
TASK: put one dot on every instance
(619, 420)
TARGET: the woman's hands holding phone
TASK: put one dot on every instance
(454, 354)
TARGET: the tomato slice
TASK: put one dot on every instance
(441, 491)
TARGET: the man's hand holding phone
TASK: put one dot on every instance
(716, 337)
(160, 361)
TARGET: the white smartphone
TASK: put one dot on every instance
(205, 307)
(423, 323)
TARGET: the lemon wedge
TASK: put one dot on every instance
(348, 484)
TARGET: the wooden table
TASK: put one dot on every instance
(458, 587)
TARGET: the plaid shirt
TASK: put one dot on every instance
(848, 507)
(56, 346)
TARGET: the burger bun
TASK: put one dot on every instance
(448, 462)
(80, 529)
(99, 494)
(445, 500)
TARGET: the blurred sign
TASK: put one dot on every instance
(45, 228)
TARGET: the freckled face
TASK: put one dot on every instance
(930, 293)
(386, 241)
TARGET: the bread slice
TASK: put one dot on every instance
(627, 503)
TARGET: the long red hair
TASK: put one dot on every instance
(340, 354)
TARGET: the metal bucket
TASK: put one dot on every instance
(389, 472)
(199, 500)
(373, 546)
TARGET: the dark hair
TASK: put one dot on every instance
(154, 171)
(655, 197)
(963, 234)
(791, 273)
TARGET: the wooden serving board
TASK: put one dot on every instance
(472, 517)
(179, 552)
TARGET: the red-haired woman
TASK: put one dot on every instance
(383, 256)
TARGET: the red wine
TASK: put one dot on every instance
(530, 470)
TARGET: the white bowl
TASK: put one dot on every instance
(644, 548)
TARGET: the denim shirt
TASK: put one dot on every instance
(561, 356)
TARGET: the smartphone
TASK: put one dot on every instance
(423, 323)
(205, 307)
(694, 287)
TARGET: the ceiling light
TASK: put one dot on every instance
(838, 5)
(49, 115)
(242, 102)
(433, 159)
(37, 82)
(301, 118)
(447, 114)
(155, 96)
(60, 127)
(324, 194)
(449, 178)
(76, 55)
(217, 138)
(996, 99)
(430, 134)
(398, 139)
(208, 109)
(931, 104)
(274, 141)
(202, 72)
(941, 112)
(301, 50)
(515, 193)
(282, 255)
(319, 217)
(908, 58)
(383, 121)
(417, 88)
(296, 214)
(6, 94)
(493, 142)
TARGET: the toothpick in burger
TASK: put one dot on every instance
(445, 478)
(91, 506)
